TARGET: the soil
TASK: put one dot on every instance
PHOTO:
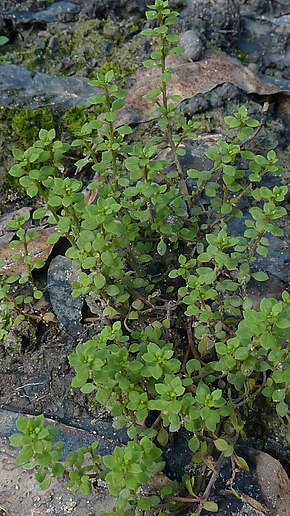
(72, 39)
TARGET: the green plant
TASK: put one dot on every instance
(3, 40)
(27, 123)
(154, 252)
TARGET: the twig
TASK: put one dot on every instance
(264, 113)
(183, 499)
(211, 483)
(193, 349)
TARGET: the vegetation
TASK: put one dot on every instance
(156, 249)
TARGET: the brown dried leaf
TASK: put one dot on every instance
(254, 503)
(190, 79)
(38, 249)
(6, 233)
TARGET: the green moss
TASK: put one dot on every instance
(83, 47)
(120, 71)
(242, 56)
(28, 122)
(75, 117)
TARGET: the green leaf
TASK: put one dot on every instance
(152, 94)
(99, 281)
(283, 321)
(88, 388)
(221, 445)
(54, 238)
(58, 470)
(194, 444)
(25, 455)
(232, 121)
(282, 376)
(161, 247)
(260, 276)
(282, 409)
(146, 503)
(46, 483)
(162, 437)
(39, 213)
(241, 463)
(32, 191)
(149, 63)
(17, 440)
(211, 506)
(114, 227)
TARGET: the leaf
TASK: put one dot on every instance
(88, 388)
(17, 440)
(260, 276)
(114, 227)
(211, 506)
(194, 444)
(283, 321)
(241, 463)
(282, 376)
(24, 455)
(282, 409)
(39, 249)
(221, 445)
(161, 247)
(99, 281)
(162, 436)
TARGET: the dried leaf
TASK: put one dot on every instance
(190, 79)
(254, 503)
(6, 233)
(38, 249)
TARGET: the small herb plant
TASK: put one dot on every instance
(156, 248)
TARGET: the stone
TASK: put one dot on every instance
(67, 309)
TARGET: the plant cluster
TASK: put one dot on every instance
(156, 247)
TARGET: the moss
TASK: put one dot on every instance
(81, 48)
(121, 72)
(75, 117)
(242, 56)
(27, 123)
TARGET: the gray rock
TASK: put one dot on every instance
(52, 13)
(22, 87)
(278, 259)
(265, 40)
(192, 45)
(219, 21)
(68, 309)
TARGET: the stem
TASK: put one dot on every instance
(211, 483)
(112, 139)
(26, 254)
(190, 339)
(183, 189)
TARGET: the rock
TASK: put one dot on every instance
(265, 40)
(52, 13)
(218, 21)
(190, 79)
(22, 87)
(277, 261)
(68, 309)
(192, 44)
(273, 481)
(19, 493)
(121, 8)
